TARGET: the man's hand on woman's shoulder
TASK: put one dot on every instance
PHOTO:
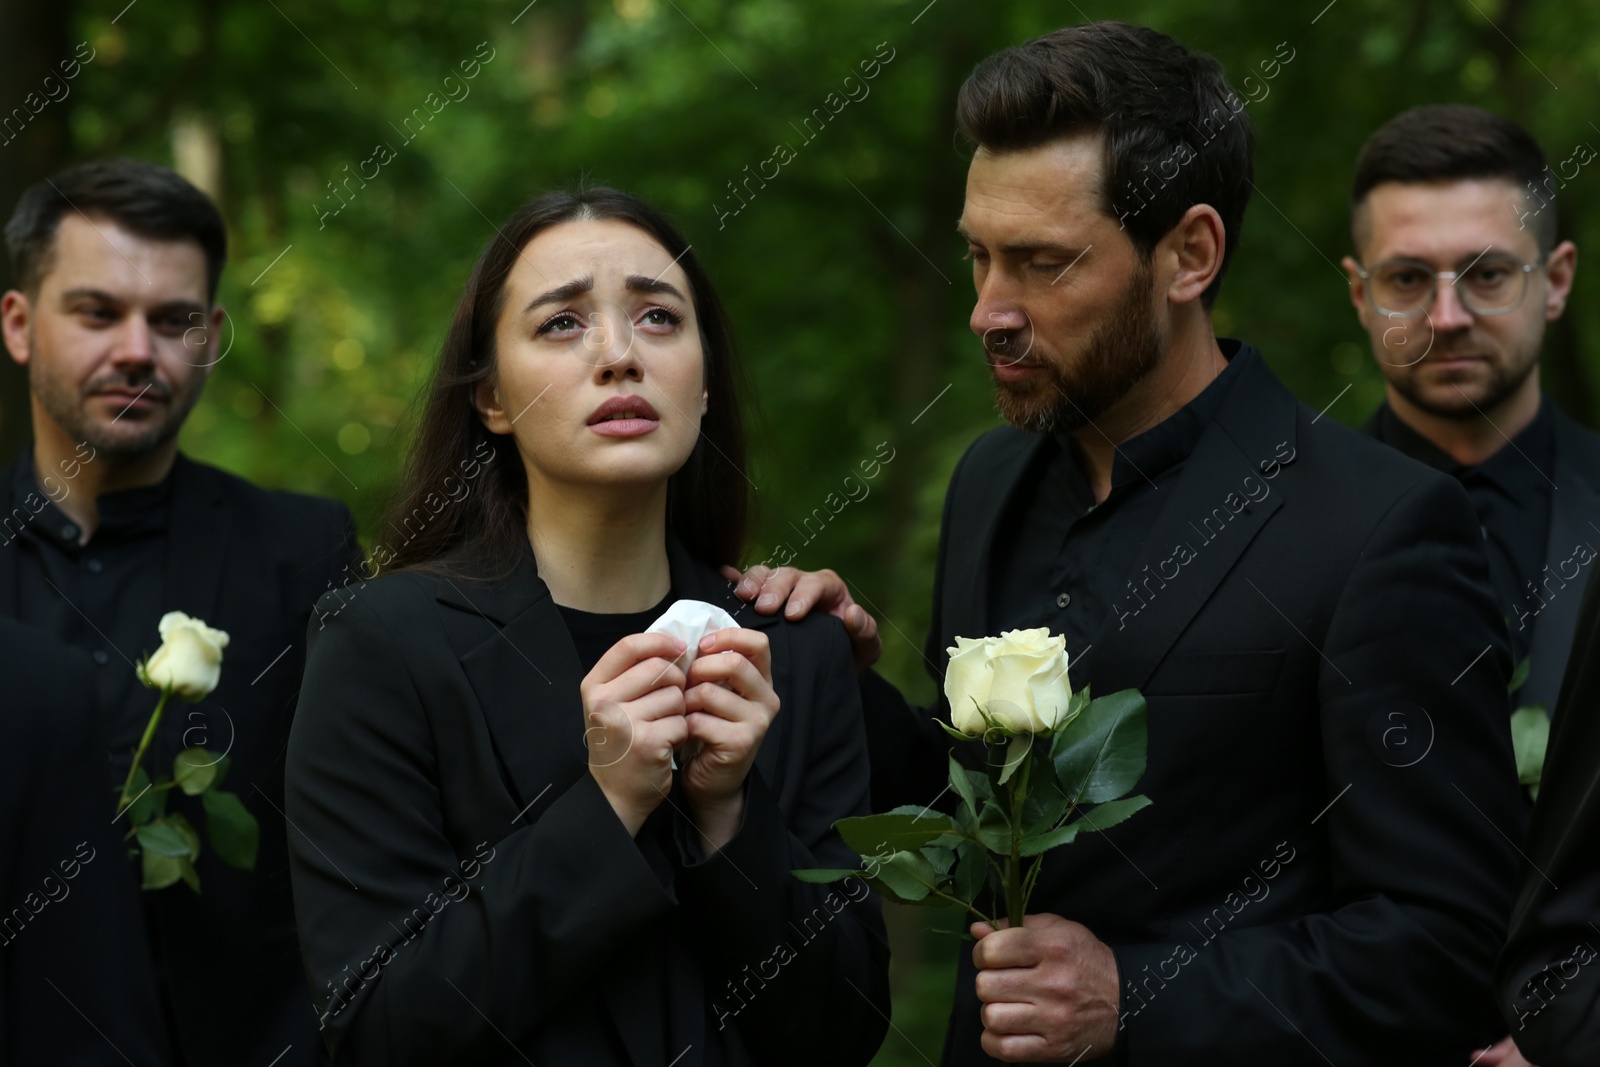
(797, 592)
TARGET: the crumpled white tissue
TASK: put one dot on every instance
(690, 621)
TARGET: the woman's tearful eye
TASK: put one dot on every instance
(660, 319)
(563, 323)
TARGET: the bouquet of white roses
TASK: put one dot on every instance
(1055, 764)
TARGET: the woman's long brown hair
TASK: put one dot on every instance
(462, 505)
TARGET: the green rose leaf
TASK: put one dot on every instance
(147, 802)
(896, 831)
(1100, 817)
(161, 837)
(233, 831)
(160, 870)
(1045, 803)
(1034, 844)
(941, 859)
(1104, 816)
(1530, 736)
(1100, 755)
(1518, 675)
(1016, 754)
(962, 784)
(824, 875)
(194, 769)
(966, 822)
(191, 836)
(191, 877)
(907, 875)
(971, 868)
(994, 829)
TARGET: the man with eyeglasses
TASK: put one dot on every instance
(1460, 270)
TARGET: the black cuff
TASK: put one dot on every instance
(688, 854)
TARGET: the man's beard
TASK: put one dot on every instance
(1120, 352)
(126, 436)
(1505, 378)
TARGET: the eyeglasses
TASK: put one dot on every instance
(1489, 285)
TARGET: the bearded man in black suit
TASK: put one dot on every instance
(1325, 872)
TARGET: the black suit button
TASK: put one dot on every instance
(95, 566)
(69, 531)
(1063, 600)
(100, 657)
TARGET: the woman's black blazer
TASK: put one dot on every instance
(465, 893)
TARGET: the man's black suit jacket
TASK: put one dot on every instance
(1574, 525)
(1549, 973)
(1325, 872)
(252, 562)
(467, 895)
(69, 916)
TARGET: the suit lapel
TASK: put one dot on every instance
(966, 601)
(1574, 520)
(197, 541)
(523, 667)
(1255, 426)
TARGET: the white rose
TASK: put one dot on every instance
(189, 661)
(1018, 678)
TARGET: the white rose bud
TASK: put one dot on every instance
(1019, 678)
(189, 661)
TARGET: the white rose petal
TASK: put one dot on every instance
(966, 684)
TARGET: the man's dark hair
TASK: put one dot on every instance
(1456, 142)
(1175, 132)
(143, 198)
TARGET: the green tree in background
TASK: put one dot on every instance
(363, 151)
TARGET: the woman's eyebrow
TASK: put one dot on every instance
(562, 293)
(638, 283)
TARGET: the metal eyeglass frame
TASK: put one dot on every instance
(1433, 290)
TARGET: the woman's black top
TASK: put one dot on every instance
(593, 633)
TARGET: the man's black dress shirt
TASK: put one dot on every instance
(1510, 491)
(103, 597)
(1060, 560)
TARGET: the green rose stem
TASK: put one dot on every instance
(1016, 901)
(144, 743)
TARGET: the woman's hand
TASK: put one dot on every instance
(729, 705)
(633, 708)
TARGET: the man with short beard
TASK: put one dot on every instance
(1459, 272)
(105, 526)
(1460, 269)
(1305, 610)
